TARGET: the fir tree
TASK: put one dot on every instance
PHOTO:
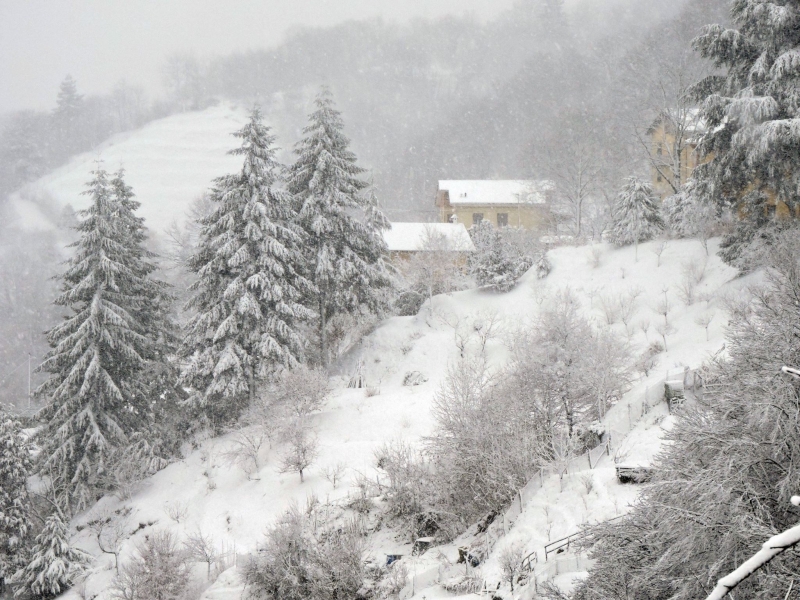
(753, 119)
(15, 524)
(342, 224)
(100, 349)
(247, 297)
(54, 564)
(66, 118)
(636, 215)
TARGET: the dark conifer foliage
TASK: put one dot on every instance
(752, 111)
(247, 298)
(98, 353)
(341, 221)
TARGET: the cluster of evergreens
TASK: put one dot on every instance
(283, 251)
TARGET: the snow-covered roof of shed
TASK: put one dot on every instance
(496, 191)
(410, 237)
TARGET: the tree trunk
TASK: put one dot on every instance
(323, 337)
(251, 385)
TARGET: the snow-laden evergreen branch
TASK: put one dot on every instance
(774, 546)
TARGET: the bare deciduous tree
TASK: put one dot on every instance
(110, 532)
(510, 561)
(301, 452)
(201, 548)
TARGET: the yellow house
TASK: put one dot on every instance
(506, 202)
(674, 136)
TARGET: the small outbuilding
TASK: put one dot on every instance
(406, 239)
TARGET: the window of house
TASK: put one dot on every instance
(502, 219)
(660, 150)
(659, 179)
(477, 218)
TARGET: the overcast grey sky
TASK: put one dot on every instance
(100, 42)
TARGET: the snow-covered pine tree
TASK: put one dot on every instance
(343, 226)
(66, 118)
(100, 349)
(495, 262)
(157, 386)
(15, 524)
(54, 565)
(752, 113)
(247, 297)
(635, 217)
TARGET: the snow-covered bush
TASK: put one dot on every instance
(408, 486)
(159, 570)
(300, 391)
(496, 262)
(486, 445)
(300, 562)
(566, 369)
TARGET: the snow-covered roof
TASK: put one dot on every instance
(496, 191)
(410, 237)
(693, 122)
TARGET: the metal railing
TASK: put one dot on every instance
(562, 545)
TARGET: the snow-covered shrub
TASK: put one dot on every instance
(636, 215)
(564, 347)
(496, 262)
(408, 303)
(414, 378)
(510, 562)
(159, 570)
(408, 490)
(300, 391)
(395, 580)
(649, 358)
(543, 267)
(485, 446)
(300, 562)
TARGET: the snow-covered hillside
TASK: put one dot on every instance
(222, 502)
(169, 163)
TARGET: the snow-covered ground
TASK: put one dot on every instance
(222, 502)
(169, 163)
(172, 161)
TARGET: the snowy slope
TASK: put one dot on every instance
(222, 502)
(169, 163)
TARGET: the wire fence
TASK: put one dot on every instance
(620, 420)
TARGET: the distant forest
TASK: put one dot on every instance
(540, 87)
